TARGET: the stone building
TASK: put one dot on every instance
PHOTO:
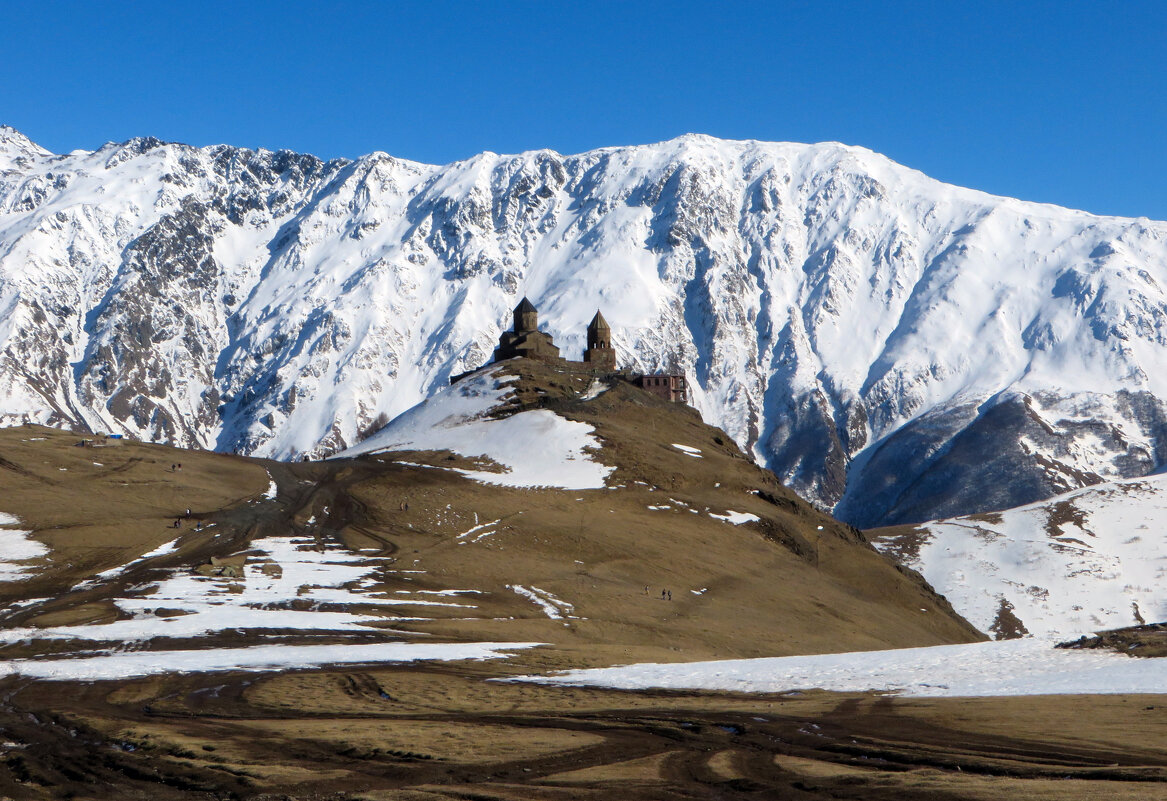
(669, 387)
(526, 339)
(600, 353)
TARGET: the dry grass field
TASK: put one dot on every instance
(449, 733)
(793, 581)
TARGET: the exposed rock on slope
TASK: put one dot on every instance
(894, 348)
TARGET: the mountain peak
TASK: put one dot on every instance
(14, 145)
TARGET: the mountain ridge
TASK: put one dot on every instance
(870, 333)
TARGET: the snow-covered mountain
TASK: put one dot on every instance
(1085, 561)
(895, 348)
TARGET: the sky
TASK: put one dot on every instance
(1060, 102)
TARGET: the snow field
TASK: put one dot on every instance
(18, 551)
(1004, 668)
(1088, 560)
(279, 573)
(256, 658)
(536, 448)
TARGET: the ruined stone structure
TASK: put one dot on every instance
(669, 387)
(526, 339)
(599, 353)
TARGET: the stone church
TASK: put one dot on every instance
(599, 353)
(527, 341)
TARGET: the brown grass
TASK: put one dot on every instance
(794, 582)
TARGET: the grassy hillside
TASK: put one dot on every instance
(752, 571)
(792, 581)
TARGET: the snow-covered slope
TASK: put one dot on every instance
(1085, 561)
(895, 348)
(535, 448)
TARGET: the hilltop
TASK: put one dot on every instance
(648, 496)
(544, 507)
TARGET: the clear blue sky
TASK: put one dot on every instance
(1063, 102)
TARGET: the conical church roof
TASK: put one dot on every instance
(598, 323)
(524, 306)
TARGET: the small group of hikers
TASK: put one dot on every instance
(178, 520)
(665, 595)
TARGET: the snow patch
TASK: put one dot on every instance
(162, 550)
(18, 551)
(1004, 668)
(255, 658)
(484, 528)
(737, 518)
(595, 390)
(536, 448)
(553, 607)
(285, 584)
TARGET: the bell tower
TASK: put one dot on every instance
(526, 318)
(600, 353)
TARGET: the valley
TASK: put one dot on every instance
(369, 627)
(583, 402)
